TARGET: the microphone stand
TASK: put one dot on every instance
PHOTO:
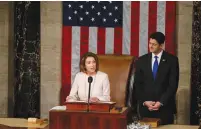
(90, 79)
(89, 96)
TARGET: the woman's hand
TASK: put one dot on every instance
(69, 99)
(94, 99)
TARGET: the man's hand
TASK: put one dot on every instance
(156, 106)
(94, 99)
(149, 104)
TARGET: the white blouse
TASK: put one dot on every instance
(100, 87)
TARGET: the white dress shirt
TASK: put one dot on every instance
(100, 87)
(153, 58)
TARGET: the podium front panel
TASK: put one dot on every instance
(87, 120)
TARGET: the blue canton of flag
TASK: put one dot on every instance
(93, 13)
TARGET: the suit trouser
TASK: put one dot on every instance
(165, 114)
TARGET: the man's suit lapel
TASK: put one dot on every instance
(149, 63)
(161, 66)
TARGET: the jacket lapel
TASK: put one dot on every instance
(161, 65)
(149, 63)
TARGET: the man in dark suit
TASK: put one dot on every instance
(156, 81)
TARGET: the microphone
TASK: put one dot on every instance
(90, 79)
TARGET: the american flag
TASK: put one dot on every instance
(110, 27)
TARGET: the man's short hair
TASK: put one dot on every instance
(158, 36)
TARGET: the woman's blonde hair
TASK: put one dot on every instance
(83, 59)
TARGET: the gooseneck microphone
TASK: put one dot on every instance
(90, 80)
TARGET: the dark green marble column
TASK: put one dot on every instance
(196, 64)
(27, 59)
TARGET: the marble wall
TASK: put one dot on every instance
(51, 39)
(4, 43)
(27, 59)
(184, 40)
(196, 64)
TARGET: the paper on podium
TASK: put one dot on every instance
(60, 108)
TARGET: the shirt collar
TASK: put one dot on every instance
(159, 55)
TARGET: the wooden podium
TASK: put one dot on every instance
(76, 116)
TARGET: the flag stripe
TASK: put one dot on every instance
(135, 22)
(93, 39)
(84, 40)
(75, 51)
(126, 28)
(161, 8)
(170, 31)
(118, 40)
(66, 57)
(152, 19)
(143, 41)
(109, 45)
(101, 40)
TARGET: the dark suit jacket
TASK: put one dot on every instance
(164, 87)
